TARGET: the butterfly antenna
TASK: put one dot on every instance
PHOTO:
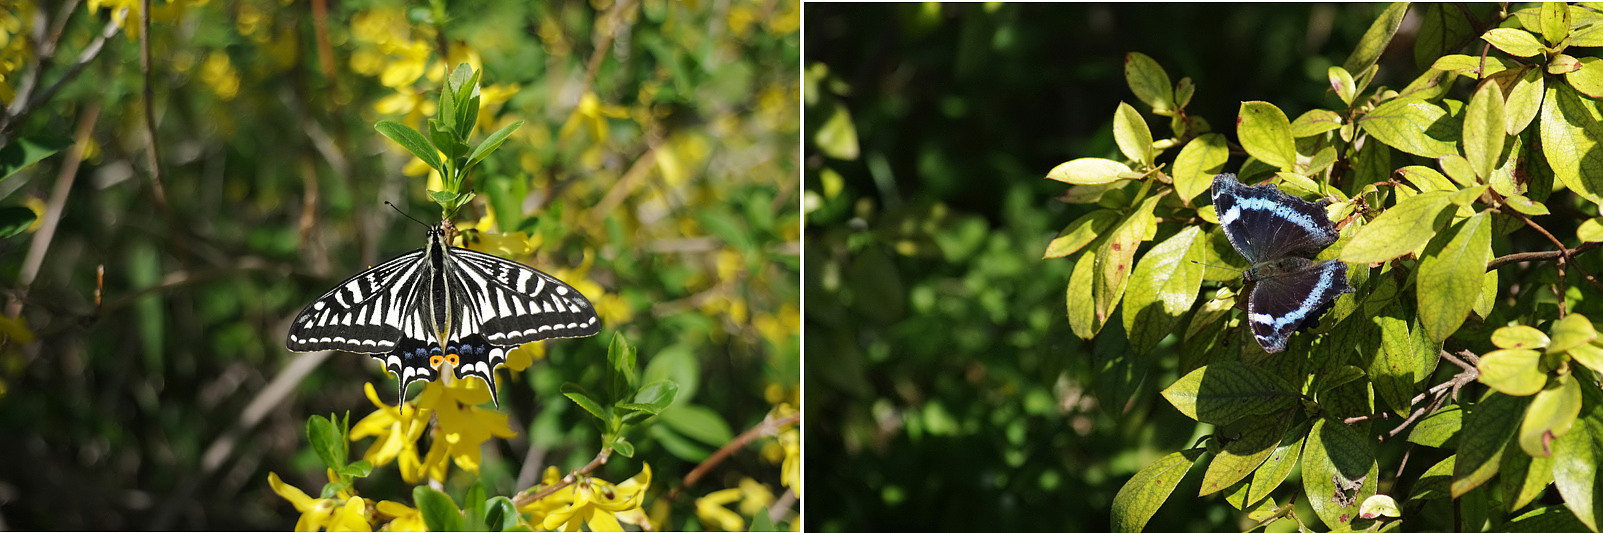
(403, 213)
(1213, 265)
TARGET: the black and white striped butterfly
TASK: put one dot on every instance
(442, 304)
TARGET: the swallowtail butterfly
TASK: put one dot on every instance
(442, 304)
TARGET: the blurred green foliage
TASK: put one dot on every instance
(945, 390)
(655, 171)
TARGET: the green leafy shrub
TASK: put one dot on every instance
(1459, 384)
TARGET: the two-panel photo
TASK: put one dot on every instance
(657, 265)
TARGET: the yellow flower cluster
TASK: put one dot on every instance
(342, 512)
(591, 502)
(397, 52)
(460, 431)
(14, 47)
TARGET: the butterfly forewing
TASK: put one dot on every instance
(364, 314)
(443, 303)
(1265, 223)
(519, 304)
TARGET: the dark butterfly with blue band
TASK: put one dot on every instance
(1279, 234)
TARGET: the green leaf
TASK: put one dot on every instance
(1523, 478)
(1439, 428)
(1280, 463)
(1130, 132)
(357, 469)
(1543, 520)
(699, 423)
(1459, 169)
(327, 441)
(1513, 41)
(1588, 79)
(1588, 355)
(1149, 82)
(1376, 38)
(624, 447)
(1572, 331)
(1576, 456)
(1523, 102)
(1315, 122)
(1551, 415)
(1426, 179)
(656, 396)
(1162, 288)
(1141, 497)
(412, 141)
(1400, 230)
(1224, 392)
(1512, 371)
(473, 507)
(1585, 30)
(1082, 231)
(1081, 307)
(1443, 28)
(1199, 161)
(1484, 129)
(1435, 483)
(1487, 429)
(1555, 22)
(1392, 370)
(1526, 205)
(492, 142)
(621, 358)
(1242, 456)
(1090, 171)
(15, 219)
(26, 151)
(1571, 130)
(1450, 275)
(582, 398)
(500, 514)
(1473, 66)
(1414, 126)
(1182, 97)
(439, 512)
(1115, 258)
(1590, 230)
(1338, 471)
(837, 138)
(1524, 337)
(1342, 82)
(1265, 133)
(1562, 64)
(1379, 505)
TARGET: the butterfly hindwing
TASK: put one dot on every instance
(1279, 305)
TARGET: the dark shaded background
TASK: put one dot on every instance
(945, 390)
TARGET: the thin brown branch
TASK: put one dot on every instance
(58, 202)
(767, 428)
(1437, 395)
(525, 498)
(1539, 256)
(626, 185)
(153, 157)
